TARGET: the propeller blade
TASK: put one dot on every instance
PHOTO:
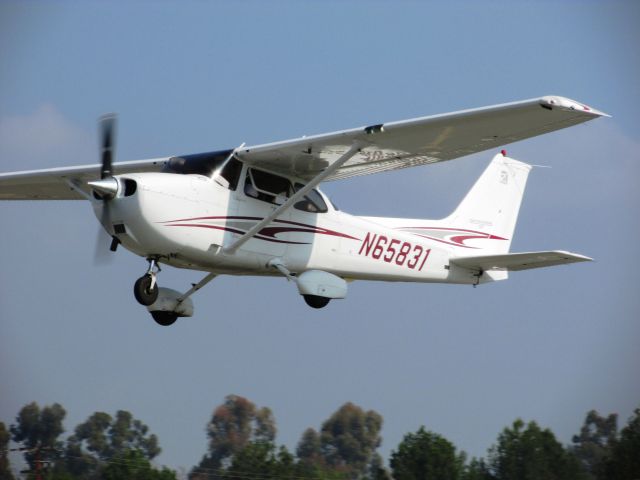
(105, 189)
(102, 255)
(107, 144)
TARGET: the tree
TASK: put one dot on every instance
(623, 462)
(311, 463)
(234, 424)
(592, 444)
(134, 465)
(262, 459)
(349, 439)
(102, 437)
(37, 430)
(377, 470)
(5, 469)
(476, 469)
(309, 451)
(531, 453)
(426, 455)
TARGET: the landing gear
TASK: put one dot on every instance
(145, 290)
(164, 304)
(146, 287)
(164, 318)
(316, 301)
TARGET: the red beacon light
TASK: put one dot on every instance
(503, 152)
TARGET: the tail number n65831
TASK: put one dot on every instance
(391, 250)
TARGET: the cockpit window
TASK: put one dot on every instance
(312, 201)
(267, 186)
(216, 165)
(277, 190)
(231, 172)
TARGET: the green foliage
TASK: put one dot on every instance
(349, 438)
(134, 465)
(234, 425)
(530, 453)
(592, 444)
(261, 458)
(377, 470)
(426, 455)
(5, 469)
(242, 445)
(102, 437)
(476, 469)
(623, 461)
(309, 451)
(106, 437)
(37, 430)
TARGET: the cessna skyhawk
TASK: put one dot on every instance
(256, 210)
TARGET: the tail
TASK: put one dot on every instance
(491, 207)
(481, 228)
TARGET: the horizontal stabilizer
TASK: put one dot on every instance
(518, 261)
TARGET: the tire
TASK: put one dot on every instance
(145, 295)
(316, 301)
(164, 318)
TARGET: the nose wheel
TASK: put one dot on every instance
(146, 287)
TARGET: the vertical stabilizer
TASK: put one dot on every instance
(493, 203)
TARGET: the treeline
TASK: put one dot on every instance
(242, 445)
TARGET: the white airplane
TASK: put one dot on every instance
(255, 210)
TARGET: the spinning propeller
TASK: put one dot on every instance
(105, 189)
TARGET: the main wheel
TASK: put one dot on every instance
(145, 295)
(316, 301)
(164, 318)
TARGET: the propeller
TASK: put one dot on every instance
(105, 189)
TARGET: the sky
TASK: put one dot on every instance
(185, 77)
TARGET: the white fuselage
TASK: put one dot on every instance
(187, 220)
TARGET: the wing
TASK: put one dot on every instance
(66, 183)
(56, 183)
(518, 261)
(388, 146)
(420, 141)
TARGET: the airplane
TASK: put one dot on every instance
(256, 210)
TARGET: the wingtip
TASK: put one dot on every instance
(556, 101)
(576, 257)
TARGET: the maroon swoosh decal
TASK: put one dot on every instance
(234, 230)
(457, 240)
(267, 233)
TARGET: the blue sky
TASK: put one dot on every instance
(186, 77)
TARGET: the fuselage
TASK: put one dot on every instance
(188, 220)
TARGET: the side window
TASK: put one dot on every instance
(267, 186)
(312, 202)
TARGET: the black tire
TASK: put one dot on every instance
(164, 318)
(316, 301)
(145, 295)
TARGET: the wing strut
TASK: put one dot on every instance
(355, 148)
(196, 287)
